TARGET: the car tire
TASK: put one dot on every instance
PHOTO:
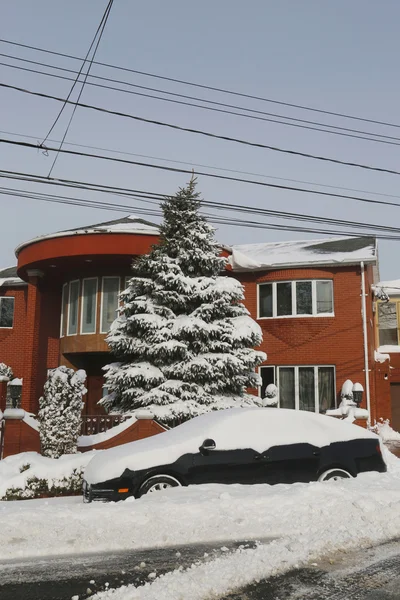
(334, 475)
(157, 483)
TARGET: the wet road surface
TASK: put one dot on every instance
(66, 576)
(372, 574)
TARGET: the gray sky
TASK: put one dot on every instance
(339, 56)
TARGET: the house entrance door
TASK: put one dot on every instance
(395, 399)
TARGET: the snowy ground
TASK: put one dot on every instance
(308, 520)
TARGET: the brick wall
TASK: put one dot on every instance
(336, 340)
(13, 341)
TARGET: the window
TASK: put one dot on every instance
(295, 299)
(388, 324)
(267, 377)
(310, 388)
(6, 312)
(109, 303)
(64, 309)
(73, 302)
(89, 306)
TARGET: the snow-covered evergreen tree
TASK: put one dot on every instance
(183, 339)
(60, 410)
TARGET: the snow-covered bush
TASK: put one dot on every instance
(43, 488)
(184, 341)
(6, 371)
(60, 412)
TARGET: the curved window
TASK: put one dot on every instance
(89, 305)
(295, 299)
(83, 312)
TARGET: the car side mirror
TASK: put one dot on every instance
(207, 446)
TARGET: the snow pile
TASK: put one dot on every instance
(385, 431)
(16, 470)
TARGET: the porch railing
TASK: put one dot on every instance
(92, 424)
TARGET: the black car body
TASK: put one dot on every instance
(243, 446)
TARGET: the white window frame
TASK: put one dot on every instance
(13, 299)
(64, 288)
(296, 383)
(69, 306)
(96, 279)
(102, 298)
(294, 314)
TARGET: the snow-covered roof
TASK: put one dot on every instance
(129, 224)
(328, 251)
(9, 277)
(391, 288)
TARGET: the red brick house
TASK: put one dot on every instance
(387, 336)
(313, 300)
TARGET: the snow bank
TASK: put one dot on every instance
(361, 509)
(39, 466)
(385, 431)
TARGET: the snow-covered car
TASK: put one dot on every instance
(239, 445)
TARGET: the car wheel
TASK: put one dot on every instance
(158, 483)
(334, 475)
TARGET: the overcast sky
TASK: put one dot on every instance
(338, 56)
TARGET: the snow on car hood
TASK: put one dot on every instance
(256, 428)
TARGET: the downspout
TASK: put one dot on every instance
(364, 320)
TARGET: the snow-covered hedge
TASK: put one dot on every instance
(29, 475)
(60, 413)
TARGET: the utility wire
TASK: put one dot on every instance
(197, 132)
(98, 34)
(192, 164)
(293, 122)
(206, 174)
(207, 87)
(216, 219)
(154, 198)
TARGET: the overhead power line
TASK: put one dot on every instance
(292, 121)
(208, 87)
(73, 201)
(98, 36)
(213, 167)
(154, 198)
(198, 132)
(206, 174)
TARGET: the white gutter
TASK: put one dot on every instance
(365, 336)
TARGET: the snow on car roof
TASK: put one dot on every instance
(328, 251)
(256, 428)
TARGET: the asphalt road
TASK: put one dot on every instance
(81, 575)
(372, 574)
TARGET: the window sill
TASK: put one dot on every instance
(321, 316)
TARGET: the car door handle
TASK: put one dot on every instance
(317, 453)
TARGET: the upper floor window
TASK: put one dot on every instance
(295, 298)
(109, 302)
(388, 324)
(6, 311)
